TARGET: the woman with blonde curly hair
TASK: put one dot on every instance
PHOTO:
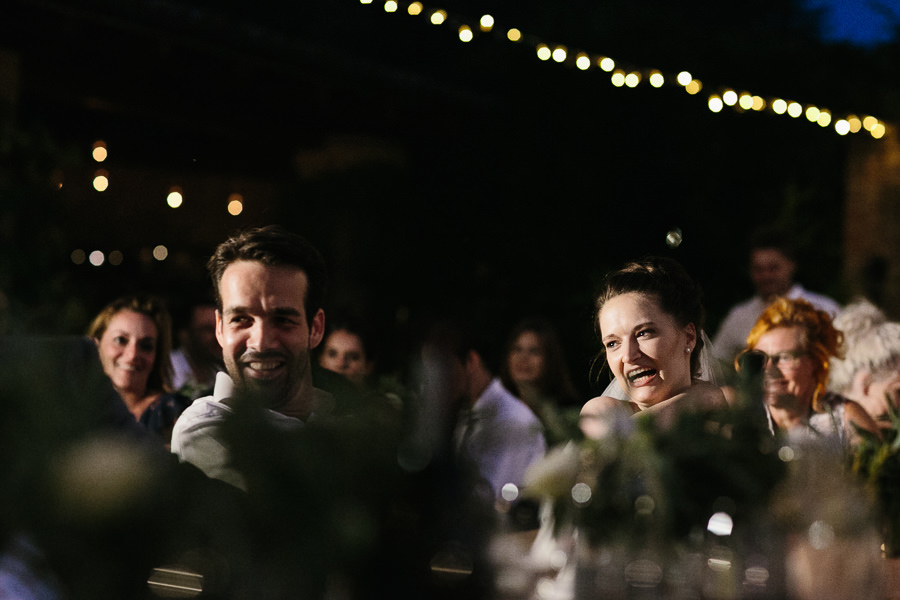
(792, 343)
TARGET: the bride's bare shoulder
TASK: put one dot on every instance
(601, 404)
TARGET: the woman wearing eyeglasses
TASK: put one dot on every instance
(792, 343)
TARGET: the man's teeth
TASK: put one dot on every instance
(264, 365)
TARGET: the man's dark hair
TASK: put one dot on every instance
(457, 337)
(273, 246)
(773, 238)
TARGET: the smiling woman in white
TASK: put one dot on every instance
(650, 319)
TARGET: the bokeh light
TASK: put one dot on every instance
(878, 131)
(855, 123)
(581, 493)
(543, 52)
(514, 35)
(674, 238)
(794, 109)
(745, 101)
(415, 8)
(720, 524)
(656, 79)
(560, 53)
(96, 258)
(390, 6)
(606, 63)
(509, 492)
(116, 258)
(465, 33)
(101, 180)
(729, 97)
(779, 106)
(583, 61)
(684, 78)
(438, 17)
(812, 114)
(175, 198)
(618, 78)
(824, 119)
(758, 103)
(842, 126)
(235, 204)
(693, 87)
(78, 256)
(715, 103)
(869, 123)
(486, 23)
(633, 79)
(160, 253)
(98, 152)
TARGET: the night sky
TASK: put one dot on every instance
(434, 175)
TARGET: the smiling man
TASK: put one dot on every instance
(269, 286)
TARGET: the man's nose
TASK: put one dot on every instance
(262, 336)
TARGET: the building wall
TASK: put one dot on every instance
(872, 228)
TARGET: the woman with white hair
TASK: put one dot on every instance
(869, 373)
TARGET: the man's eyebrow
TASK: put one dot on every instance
(281, 311)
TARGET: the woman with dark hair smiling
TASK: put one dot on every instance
(650, 320)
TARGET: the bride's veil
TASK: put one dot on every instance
(709, 371)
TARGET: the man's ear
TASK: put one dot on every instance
(220, 333)
(317, 329)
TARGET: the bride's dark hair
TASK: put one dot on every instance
(667, 281)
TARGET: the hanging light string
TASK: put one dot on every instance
(621, 75)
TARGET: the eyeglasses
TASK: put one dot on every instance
(757, 360)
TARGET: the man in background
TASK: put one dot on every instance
(772, 269)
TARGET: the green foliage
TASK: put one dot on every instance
(649, 484)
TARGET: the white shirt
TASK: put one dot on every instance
(501, 436)
(197, 438)
(732, 335)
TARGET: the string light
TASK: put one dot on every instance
(745, 101)
(98, 151)
(559, 54)
(583, 61)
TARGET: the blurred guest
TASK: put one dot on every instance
(869, 373)
(133, 337)
(534, 369)
(347, 350)
(199, 357)
(772, 269)
(650, 320)
(792, 344)
(495, 433)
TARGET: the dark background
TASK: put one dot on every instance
(434, 175)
